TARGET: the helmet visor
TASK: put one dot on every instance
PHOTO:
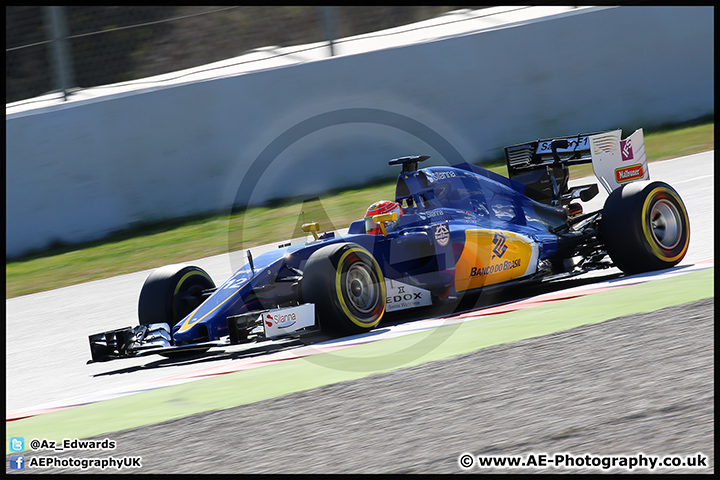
(371, 225)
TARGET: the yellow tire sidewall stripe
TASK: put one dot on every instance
(649, 235)
(338, 289)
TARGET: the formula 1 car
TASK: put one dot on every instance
(463, 229)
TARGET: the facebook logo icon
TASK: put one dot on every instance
(17, 462)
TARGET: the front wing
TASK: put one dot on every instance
(142, 340)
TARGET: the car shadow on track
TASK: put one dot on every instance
(217, 354)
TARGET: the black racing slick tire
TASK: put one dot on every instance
(171, 292)
(346, 285)
(645, 227)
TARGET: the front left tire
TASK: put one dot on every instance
(347, 286)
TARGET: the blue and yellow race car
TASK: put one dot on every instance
(458, 229)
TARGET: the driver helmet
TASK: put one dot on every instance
(379, 208)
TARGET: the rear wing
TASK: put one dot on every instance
(531, 155)
(614, 161)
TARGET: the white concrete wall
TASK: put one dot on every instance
(80, 171)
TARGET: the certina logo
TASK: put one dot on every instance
(627, 174)
(500, 247)
(498, 267)
(278, 319)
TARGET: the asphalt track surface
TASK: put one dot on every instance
(558, 393)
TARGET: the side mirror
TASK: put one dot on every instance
(311, 228)
(385, 217)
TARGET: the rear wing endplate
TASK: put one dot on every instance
(617, 162)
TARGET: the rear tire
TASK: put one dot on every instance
(170, 293)
(645, 227)
(347, 287)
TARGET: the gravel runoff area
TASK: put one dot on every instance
(641, 384)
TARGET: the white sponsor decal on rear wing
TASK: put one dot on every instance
(615, 161)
